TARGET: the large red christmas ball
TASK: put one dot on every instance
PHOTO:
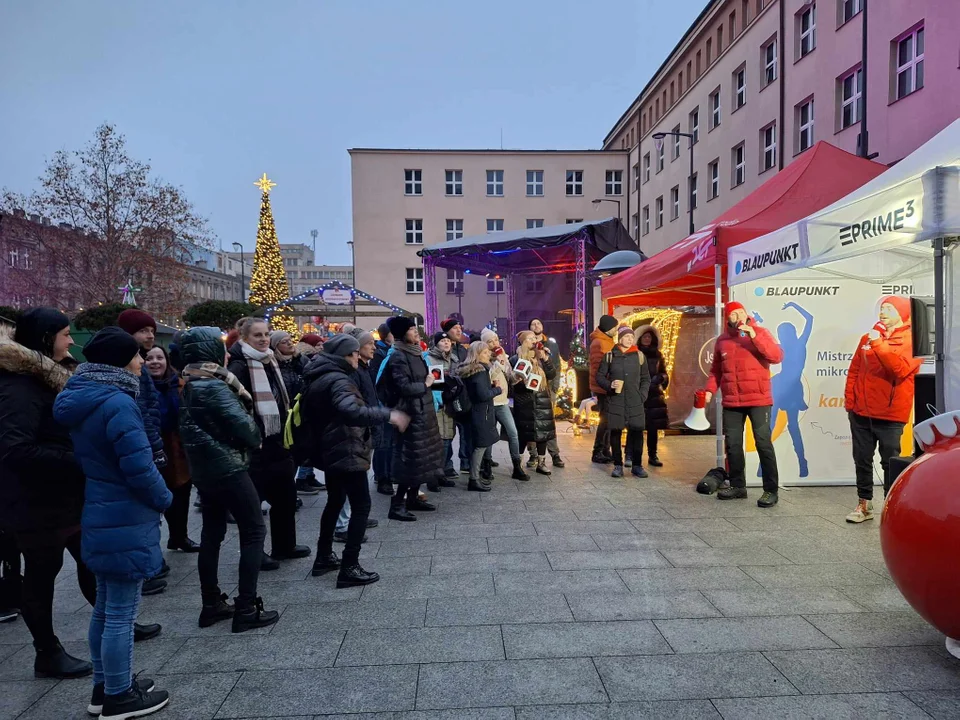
(920, 530)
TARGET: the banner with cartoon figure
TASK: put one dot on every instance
(818, 321)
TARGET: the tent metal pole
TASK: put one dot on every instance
(431, 321)
(938, 324)
(718, 320)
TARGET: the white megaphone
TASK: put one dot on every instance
(697, 419)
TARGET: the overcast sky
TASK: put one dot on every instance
(214, 93)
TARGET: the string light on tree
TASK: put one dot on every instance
(268, 281)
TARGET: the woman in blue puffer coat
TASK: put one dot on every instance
(124, 499)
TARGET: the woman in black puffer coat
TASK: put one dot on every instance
(404, 384)
(624, 376)
(533, 409)
(648, 340)
(482, 423)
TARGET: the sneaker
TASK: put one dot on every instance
(216, 611)
(767, 500)
(532, 462)
(96, 699)
(372, 523)
(638, 471)
(732, 493)
(145, 632)
(153, 586)
(305, 488)
(863, 512)
(355, 575)
(164, 571)
(451, 474)
(542, 468)
(617, 471)
(601, 459)
(654, 461)
(8, 614)
(186, 545)
(253, 617)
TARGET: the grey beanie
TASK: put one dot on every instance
(341, 345)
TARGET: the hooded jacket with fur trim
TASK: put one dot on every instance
(880, 380)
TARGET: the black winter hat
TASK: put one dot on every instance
(399, 326)
(341, 345)
(437, 337)
(37, 328)
(383, 331)
(607, 323)
(111, 346)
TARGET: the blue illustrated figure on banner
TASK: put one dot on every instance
(788, 383)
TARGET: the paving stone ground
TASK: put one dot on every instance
(574, 596)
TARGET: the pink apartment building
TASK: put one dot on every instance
(757, 82)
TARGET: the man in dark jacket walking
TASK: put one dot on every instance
(340, 424)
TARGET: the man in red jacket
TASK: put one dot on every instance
(741, 370)
(879, 396)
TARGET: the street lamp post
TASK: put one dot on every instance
(353, 279)
(610, 200)
(239, 247)
(658, 138)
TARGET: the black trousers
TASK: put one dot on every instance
(236, 495)
(602, 443)
(340, 486)
(734, 420)
(651, 445)
(466, 445)
(272, 470)
(177, 514)
(42, 564)
(866, 434)
(634, 445)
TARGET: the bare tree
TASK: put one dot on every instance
(111, 221)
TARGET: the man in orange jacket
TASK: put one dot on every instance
(879, 395)
(601, 342)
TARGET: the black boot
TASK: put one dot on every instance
(215, 610)
(486, 469)
(135, 702)
(518, 473)
(447, 482)
(145, 632)
(477, 486)
(434, 486)
(416, 503)
(399, 512)
(355, 575)
(57, 663)
(325, 561)
(294, 553)
(654, 461)
(267, 564)
(186, 545)
(558, 461)
(384, 487)
(253, 617)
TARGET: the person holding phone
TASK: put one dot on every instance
(482, 424)
(741, 371)
(441, 357)
(533, 408)
(623, 373)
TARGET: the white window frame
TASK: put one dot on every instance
(494, 225)
(849, 9)
(494, 183)
(660, 153)
(415, 281)
(573, 221)
(739, 164)
(534, 183)
(646, 219)
(413, 231)
(454, 278)
(646, 168)
(695, 124)
(574, 183)
(714, 170)
(454, 229)
(694, 190)
(636, 177)
(716, 112)
(496, 286)
(770, 63)
(659, 212)
(808, 36)
(739, 88)
(534, 223)
(768, 147)
(614, 182)
(850, 106)
(805, 129)
(674, 202)
(676, 143)
(635, 225)
(453, 183)
(412, 182)
(912, 69)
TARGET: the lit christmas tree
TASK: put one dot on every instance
(268, 281)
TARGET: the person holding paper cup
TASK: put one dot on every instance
(623, 373)
(441, 362)
(532, 404)
(482, 424)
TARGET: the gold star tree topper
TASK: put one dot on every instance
(265, 184)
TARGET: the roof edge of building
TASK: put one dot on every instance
(479, 151)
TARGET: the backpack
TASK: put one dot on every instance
(299, 437)
(385, 392)
(456, 399)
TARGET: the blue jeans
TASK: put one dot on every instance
(505, 418)
(305, 473)
(111, 632)
(448, 467)
(343, 521)
(466, 446)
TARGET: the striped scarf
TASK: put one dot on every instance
(263, 398)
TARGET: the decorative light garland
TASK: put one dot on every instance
(667, 321)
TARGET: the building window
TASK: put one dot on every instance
(454, 230)
(614, 183)
(534, 284)
(738, 165)
(646, 219)
(693, 191)
(574, 182)
(714, 169)
(646, 168)
(496, 285)
(739, 88)
(805, 125)
(414, 234)
(454, 282)
(494, 226)
(636, 177)
(674, 202)
(676, 143)
(714, 108)
(413, 182)
(531, 224)
(849, 8)
(695, 124)
(534, 183)
(768, 147)
(635, 225)
(808, 30)
(910, 63)
(659, 211)
(770, 62)
(850, 94)
(659, 157)
(454, 182)
(495, 183)
(415, 280)
(573, 221)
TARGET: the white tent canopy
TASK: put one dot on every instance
(888, 231)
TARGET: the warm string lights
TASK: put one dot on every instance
(333, 285)
(268, 281)
(667, 321)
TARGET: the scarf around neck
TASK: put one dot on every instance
(110, 375)
(408, 349)
(213, 371)
(263, 398)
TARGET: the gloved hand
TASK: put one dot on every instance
(160, 459)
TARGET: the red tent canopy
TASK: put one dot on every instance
(683, 274)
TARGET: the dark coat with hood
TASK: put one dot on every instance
(533, 409)
(341, 416)
(656, 405)
(418, 453)
(149, 403)
(292, 369)
(482, 424)
(41, 484)
(237, 364)
(625, 409)
(217, 428)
